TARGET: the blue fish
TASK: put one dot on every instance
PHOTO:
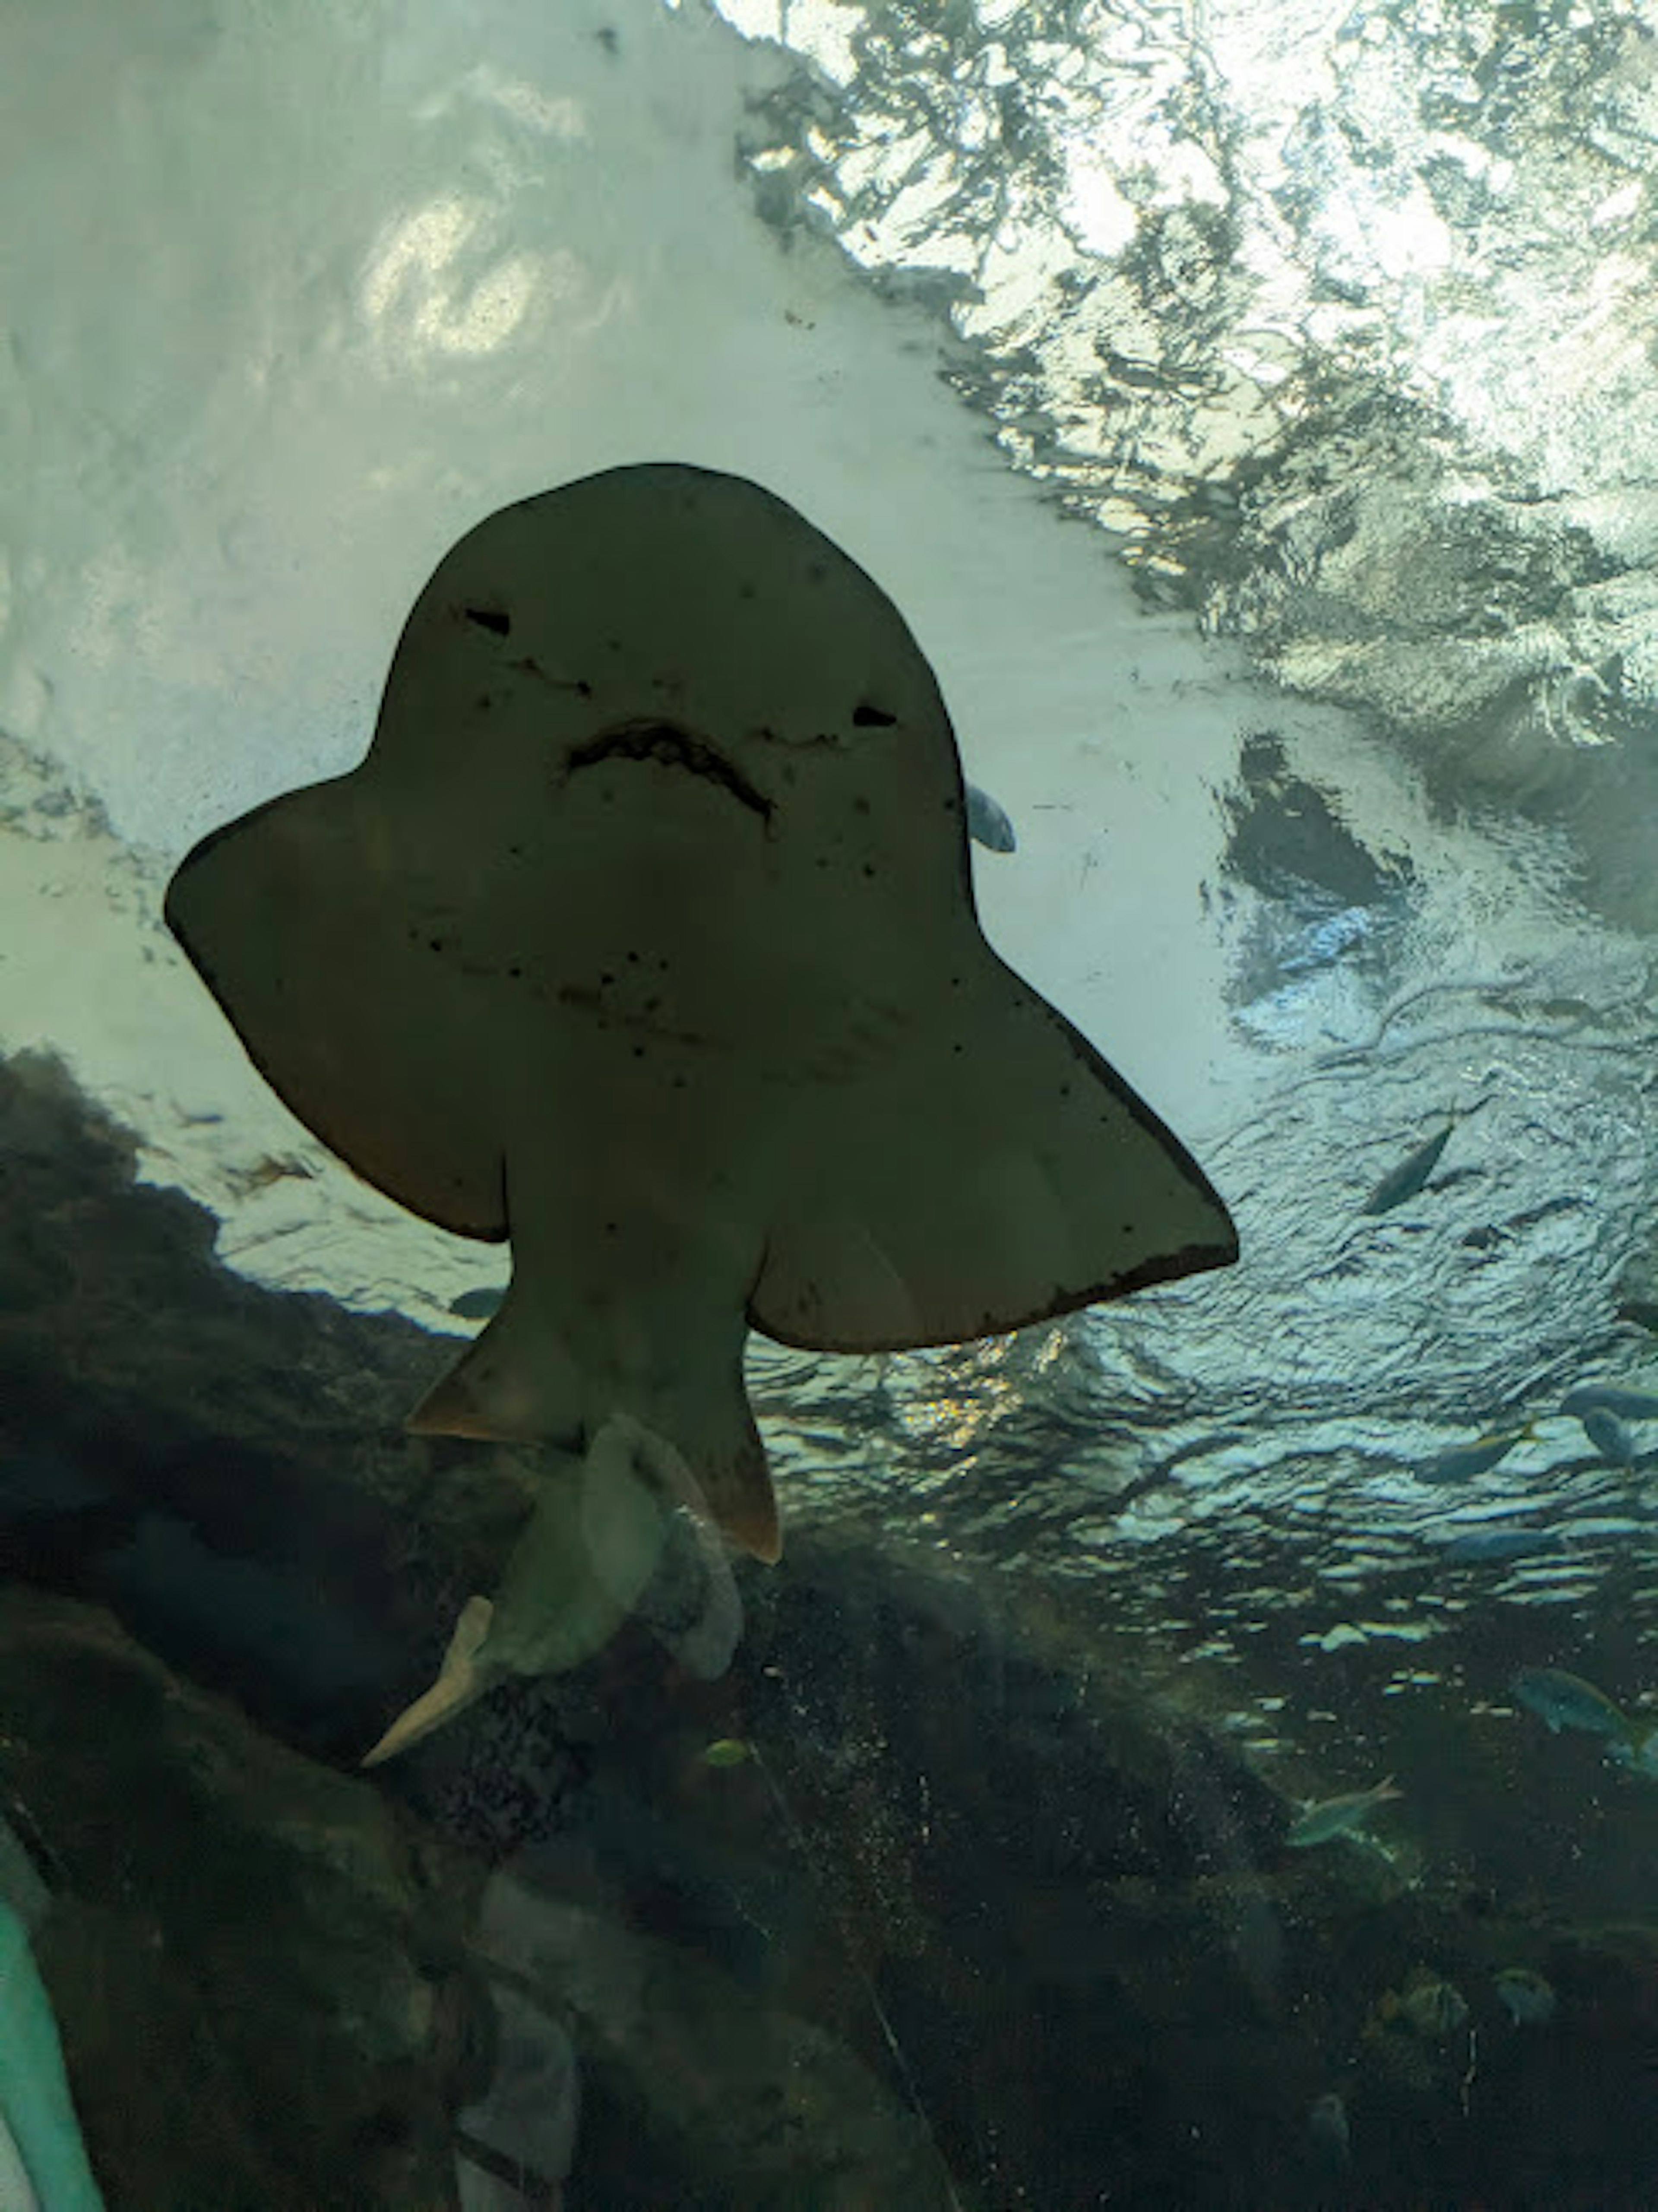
(1567, 1701)
(1497, 1543)
(1408, 1177)
(1460, 1461)
(986, 824)
(1607, 1398)
(1609, 1436)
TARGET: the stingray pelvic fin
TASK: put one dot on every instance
(743, 1505)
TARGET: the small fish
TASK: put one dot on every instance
(1497, 1543)
(1609, 1436)
(1526, 1998)
(1327, 2126)
(728, 1751)
(479, 1305)
(1427, 2006)
(1607, 1398)
(1567, 1701)
(1462, 1461)
(1408, 1177)
(986, 824)
(1338, 1816)
(1638, 1753)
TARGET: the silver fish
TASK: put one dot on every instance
(1330, 1817)
(1409, 1176)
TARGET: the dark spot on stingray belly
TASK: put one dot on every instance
(527, 664)
(601, 1004)
(670, 747)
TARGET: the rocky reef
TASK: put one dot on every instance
(927, 1902)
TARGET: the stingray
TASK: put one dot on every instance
(643, 936)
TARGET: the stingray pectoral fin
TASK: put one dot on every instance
(460, 1682)
(364, 1050)
(1000, 1174)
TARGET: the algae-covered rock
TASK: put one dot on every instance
(260, 2000)
(753, 2104)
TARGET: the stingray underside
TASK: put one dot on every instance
(645, 934)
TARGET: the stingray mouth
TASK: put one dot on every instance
(669, 746)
